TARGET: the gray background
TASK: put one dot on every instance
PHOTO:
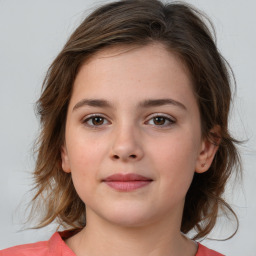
(31, 35)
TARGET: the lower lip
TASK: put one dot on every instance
(127, 186)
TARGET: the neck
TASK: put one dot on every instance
(149, 240)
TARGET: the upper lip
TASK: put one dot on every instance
(127, 177)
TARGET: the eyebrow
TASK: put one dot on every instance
(145, 104)
(92, 103)
(161, 102)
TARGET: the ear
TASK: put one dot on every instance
(208, 150)
(65, 159)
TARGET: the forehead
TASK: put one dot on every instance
(150, 50)
(153, 56)
(149, 70)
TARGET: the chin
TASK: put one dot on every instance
(129, 222)
(130, 218)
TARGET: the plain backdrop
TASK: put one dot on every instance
(31, 35)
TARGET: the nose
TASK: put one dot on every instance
(126, 145)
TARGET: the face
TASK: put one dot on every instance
(133, 138)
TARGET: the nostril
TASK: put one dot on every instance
(116, 157)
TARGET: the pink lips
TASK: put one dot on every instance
(127, 182)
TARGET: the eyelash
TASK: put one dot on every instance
(90, 118)
(170, 120)
(165, 118)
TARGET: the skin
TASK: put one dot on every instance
(128, 138)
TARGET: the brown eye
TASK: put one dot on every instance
(97, 120)
(159, 120)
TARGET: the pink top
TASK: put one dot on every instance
(57, 247)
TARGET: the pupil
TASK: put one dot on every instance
(97, 120)
(159, 120)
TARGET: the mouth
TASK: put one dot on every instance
(127, 182)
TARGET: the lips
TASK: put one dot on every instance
(127, 182)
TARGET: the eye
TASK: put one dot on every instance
(161, 120)
(95, 120)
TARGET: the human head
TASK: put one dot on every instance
(138, 22)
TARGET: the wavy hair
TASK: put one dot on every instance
(181, 29)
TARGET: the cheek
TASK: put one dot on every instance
(177, 151)
(176, 161)
(83, 173)
(84, 152)
(86, 156)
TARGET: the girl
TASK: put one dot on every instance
(134, 150)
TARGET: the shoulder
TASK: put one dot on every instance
(39, 248)
(204, 251)
(53, 247)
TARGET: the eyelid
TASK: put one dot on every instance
(168, 117)
(90, 116)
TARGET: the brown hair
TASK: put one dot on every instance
(183, 31)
